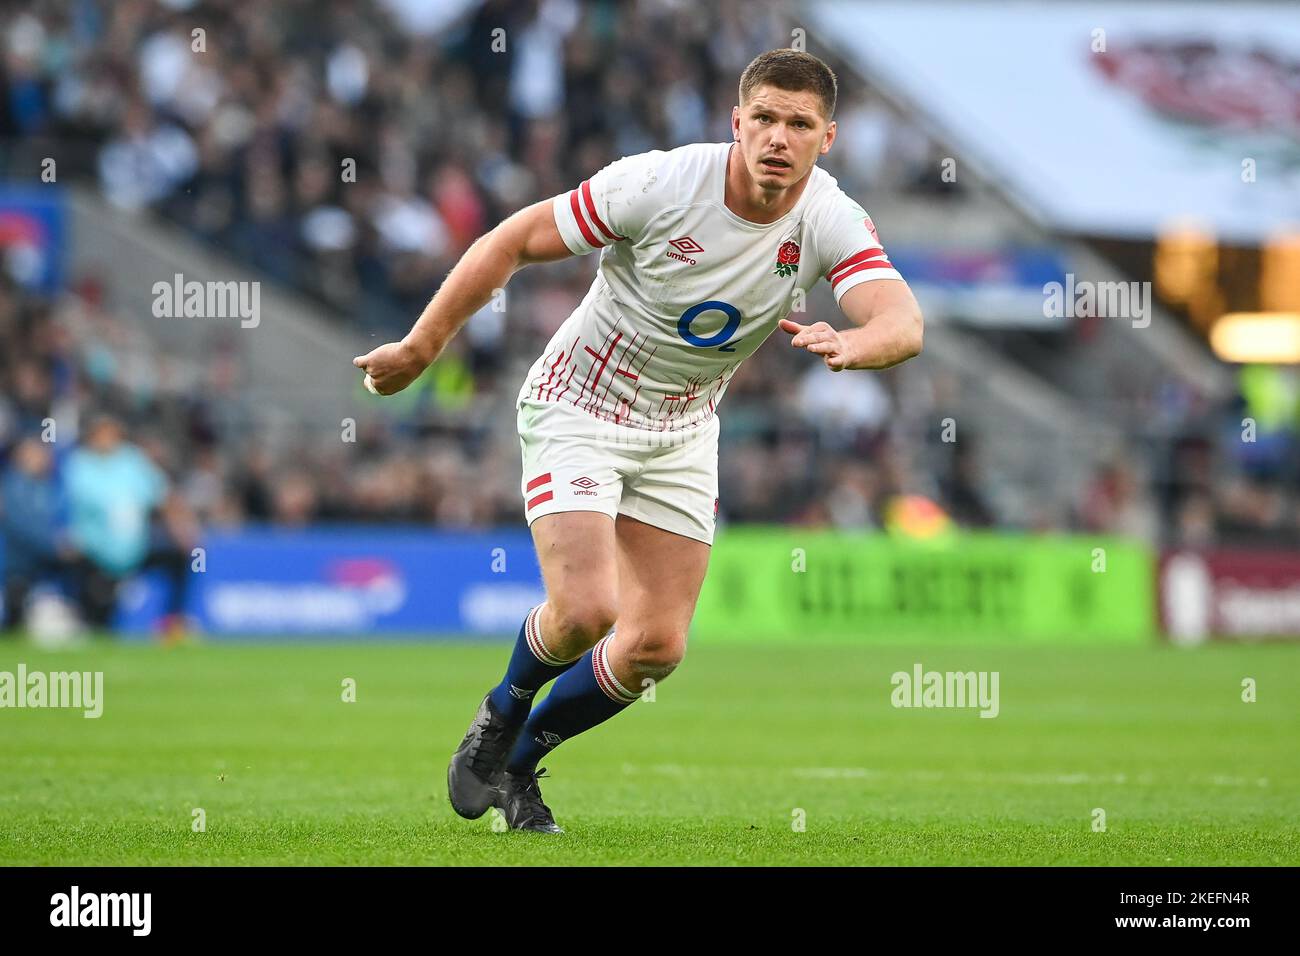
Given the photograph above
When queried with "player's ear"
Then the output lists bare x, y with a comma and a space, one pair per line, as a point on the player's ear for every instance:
830, 138
735, 123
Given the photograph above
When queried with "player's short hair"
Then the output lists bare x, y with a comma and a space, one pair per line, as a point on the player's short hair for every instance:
793, 71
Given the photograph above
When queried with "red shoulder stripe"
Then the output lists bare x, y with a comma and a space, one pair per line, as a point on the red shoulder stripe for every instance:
582, 222
591, 208
874, 264
854, 259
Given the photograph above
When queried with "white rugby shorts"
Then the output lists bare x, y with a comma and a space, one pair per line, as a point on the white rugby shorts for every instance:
574, 461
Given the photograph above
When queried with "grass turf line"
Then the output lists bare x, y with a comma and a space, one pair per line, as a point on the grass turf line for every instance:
711, 772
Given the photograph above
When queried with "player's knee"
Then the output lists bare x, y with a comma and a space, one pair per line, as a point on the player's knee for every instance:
655, 654
585, 623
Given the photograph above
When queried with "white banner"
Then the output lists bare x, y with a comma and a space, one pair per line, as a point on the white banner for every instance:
1105, 119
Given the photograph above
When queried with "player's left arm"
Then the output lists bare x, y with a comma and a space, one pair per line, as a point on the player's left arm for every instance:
889, 328
867, 288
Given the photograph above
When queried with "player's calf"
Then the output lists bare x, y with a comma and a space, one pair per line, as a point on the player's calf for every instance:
604, 682
587, 695
549, 643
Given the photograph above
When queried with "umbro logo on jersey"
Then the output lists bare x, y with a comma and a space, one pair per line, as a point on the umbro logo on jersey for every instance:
683, 249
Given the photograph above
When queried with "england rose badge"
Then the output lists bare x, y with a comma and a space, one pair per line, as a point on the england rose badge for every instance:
787, 259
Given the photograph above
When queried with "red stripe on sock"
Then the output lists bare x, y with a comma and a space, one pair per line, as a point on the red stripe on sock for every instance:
533, 635
605, 676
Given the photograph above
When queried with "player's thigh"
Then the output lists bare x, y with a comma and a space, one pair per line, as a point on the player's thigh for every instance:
576, 551
660, 573
571, 483
665, 530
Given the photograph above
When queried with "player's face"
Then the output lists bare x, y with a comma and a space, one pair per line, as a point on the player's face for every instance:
781, 134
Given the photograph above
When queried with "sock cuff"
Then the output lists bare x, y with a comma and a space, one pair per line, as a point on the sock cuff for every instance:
533, 635
605, 674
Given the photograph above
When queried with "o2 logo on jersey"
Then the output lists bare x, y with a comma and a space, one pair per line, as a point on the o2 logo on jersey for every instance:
718, 338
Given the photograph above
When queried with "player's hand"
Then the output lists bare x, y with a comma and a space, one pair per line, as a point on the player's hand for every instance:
390, 368
820, 339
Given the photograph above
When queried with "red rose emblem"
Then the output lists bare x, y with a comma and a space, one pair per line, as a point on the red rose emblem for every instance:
787, 258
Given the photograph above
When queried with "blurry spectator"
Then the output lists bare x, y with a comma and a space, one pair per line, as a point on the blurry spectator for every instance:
1195, 522
960, 488
113, 490
147, 161
850, 502
537, 74
1252, 513
840, 406
293, 499
35, 546
1116, 502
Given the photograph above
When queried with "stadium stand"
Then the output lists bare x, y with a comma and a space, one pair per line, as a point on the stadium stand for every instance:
345, 160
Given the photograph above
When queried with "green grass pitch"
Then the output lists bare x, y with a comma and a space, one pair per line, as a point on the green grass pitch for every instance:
738, 745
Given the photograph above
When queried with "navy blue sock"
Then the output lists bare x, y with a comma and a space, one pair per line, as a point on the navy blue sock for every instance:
531, 667
587, 695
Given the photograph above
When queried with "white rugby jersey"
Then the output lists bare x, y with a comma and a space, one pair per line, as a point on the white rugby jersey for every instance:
686, 290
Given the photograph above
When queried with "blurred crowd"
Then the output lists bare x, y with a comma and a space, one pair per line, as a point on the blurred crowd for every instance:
826, 450
356, 159
353, 149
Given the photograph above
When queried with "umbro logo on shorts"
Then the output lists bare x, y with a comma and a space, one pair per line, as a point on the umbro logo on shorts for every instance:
586, 484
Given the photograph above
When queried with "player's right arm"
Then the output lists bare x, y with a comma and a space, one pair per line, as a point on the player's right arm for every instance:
610, 207
530, 235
